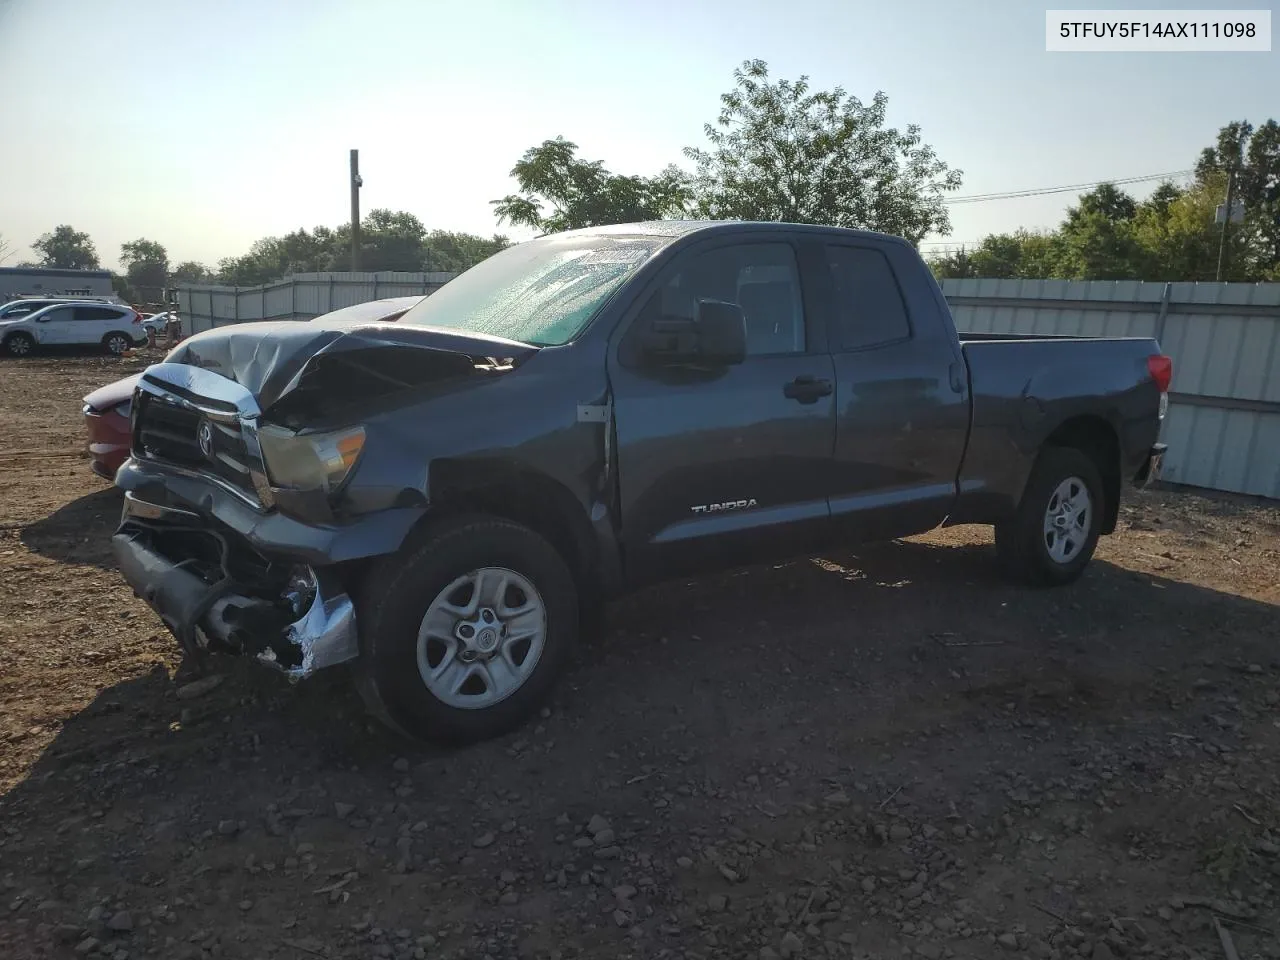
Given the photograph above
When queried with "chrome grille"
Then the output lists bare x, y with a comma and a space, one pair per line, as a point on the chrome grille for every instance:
203, 423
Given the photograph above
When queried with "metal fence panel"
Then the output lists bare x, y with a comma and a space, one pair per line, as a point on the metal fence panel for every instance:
299, 297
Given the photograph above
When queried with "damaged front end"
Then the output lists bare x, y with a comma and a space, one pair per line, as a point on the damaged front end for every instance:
216, 595
263, 464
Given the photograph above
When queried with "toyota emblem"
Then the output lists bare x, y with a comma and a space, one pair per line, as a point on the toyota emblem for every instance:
204, 436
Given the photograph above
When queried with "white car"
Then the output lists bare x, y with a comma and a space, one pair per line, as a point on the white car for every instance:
113, 327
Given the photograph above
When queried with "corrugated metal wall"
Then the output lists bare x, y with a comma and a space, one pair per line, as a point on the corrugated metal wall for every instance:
299, 297
1223, 428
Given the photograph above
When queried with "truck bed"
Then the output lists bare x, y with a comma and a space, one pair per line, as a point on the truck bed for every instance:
1022, 385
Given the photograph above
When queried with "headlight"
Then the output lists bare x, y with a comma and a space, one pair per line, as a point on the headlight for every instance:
310, 461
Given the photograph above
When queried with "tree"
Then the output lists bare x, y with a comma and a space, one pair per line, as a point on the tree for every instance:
1254, 155
5, 249
455, 252
1181, 240
582, 193
389, 240
66, 249
1020, 254
274, 257
779, 151
1097, 240
120, 287
190, 271
146, 265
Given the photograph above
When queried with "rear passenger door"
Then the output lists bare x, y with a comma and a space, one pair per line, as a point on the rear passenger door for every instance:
94, 323
902, 407
719, 467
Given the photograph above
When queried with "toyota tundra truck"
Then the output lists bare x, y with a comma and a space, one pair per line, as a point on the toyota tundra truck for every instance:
445, 501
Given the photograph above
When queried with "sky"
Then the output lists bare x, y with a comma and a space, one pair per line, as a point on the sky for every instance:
207, 124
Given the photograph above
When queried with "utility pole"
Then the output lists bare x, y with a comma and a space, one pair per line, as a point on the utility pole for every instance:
356, 184
1226, 221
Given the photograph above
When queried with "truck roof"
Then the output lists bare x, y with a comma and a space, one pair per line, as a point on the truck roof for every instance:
683, 228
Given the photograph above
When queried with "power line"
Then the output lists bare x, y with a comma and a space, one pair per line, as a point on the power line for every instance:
1043, 191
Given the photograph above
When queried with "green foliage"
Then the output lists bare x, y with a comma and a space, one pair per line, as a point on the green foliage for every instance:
1254, 155
389, 240
779, 151
1171, 235
66, 248
189, 271
1002, 256
146, 265
120, 287
449, 252
582, 193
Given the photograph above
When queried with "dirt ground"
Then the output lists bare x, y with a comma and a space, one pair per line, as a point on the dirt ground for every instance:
881, 753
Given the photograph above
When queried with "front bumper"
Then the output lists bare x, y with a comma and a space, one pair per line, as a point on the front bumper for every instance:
219, 613
1149, 472
269, 532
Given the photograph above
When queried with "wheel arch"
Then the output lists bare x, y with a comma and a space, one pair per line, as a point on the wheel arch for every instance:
1095, 437
520, 495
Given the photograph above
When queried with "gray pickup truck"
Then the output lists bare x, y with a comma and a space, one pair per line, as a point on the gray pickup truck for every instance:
446, 500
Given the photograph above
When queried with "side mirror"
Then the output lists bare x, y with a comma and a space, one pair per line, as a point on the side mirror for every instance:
715, 336
721, 332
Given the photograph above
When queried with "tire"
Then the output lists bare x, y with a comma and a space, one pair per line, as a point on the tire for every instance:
19, 344
116, 342
1029, 550
402, 591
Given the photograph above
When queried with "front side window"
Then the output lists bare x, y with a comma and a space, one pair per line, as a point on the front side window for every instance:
761, 278
543, 292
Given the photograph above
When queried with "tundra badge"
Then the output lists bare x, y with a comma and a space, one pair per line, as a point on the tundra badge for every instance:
727, 505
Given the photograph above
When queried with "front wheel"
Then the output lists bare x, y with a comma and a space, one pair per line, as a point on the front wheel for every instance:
1052, 537
19, 344
465, 636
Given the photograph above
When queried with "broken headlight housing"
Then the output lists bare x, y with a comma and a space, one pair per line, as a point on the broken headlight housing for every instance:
310, 461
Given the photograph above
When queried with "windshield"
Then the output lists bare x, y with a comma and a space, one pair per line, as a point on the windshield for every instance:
542, 292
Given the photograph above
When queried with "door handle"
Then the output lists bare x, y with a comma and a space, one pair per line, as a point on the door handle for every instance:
807, 389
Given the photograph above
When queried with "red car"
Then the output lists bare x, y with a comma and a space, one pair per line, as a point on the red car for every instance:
107, 409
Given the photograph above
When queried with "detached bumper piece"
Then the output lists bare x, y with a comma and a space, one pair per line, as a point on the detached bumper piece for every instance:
1150, 470
298, 621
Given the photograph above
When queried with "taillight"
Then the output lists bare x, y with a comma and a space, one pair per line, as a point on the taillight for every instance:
137, 317
1161, 370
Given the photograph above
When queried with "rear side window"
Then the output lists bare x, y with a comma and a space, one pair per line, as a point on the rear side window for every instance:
868, 302
97, 313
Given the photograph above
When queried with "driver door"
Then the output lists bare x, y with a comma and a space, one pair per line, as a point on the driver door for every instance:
722, 466
54, 326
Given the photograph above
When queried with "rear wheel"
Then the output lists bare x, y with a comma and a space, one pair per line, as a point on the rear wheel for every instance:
117, 342
19, 344
1052, 537
463, 637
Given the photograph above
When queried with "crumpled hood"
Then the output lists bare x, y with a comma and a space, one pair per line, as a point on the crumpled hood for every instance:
272, 359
